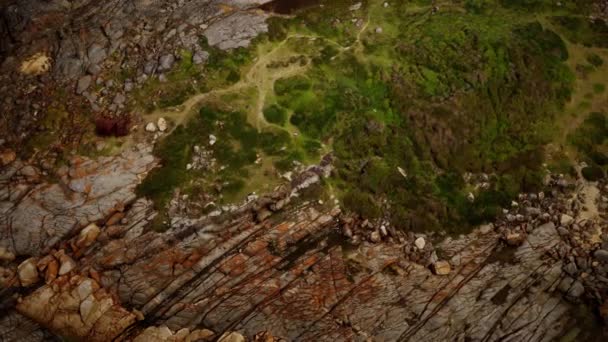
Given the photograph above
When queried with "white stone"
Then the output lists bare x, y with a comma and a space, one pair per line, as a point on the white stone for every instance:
162, 124
151, 127
212, 139
420, 243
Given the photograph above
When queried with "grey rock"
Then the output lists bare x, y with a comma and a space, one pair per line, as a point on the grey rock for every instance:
83, 84
94, 69
96, 53
571, 269
166, 62
200, 57
576, 290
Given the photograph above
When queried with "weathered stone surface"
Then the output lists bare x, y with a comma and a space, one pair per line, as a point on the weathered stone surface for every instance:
289, 274
90, 191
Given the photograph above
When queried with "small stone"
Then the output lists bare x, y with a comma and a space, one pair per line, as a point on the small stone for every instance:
563, 231
420, 243
231, 337
200, 335
514, 238
166, 62
566, 220
6, 255
28, 272
83, 84
67, 264
212, 139
379, 30
7, 156
442, 268
571, 269
151, 127
162, 124
576, 290
375, 237
200, 57
88, 235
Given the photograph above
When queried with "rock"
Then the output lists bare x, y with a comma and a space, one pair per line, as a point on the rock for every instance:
231, 337
571, 269
162, 124
514, 238
166, 62
601, 255
576, 290
83, 84
200, 335
52, 269
486, 228
471, 197
94, 69
96, 53
212, 139
119, 99
7, 156
151, 127
375, 237
563, 231
6, 255
88, 235
379, 30
566, 220
442, 268
420, 243
200, 57
28, 272
67, 264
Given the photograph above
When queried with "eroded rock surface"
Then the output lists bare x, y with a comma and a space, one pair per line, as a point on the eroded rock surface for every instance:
281, 265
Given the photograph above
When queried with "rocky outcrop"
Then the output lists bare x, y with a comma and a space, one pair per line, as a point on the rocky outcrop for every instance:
281, 265
37, 216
